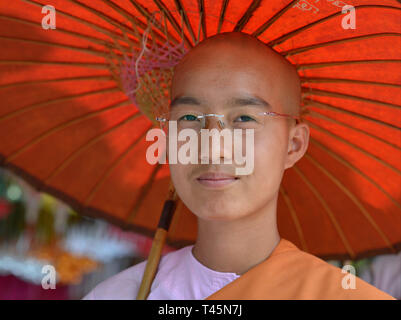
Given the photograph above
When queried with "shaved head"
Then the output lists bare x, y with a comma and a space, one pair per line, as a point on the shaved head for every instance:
236, 51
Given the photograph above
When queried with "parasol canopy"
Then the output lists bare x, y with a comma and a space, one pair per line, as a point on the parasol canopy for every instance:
72, 126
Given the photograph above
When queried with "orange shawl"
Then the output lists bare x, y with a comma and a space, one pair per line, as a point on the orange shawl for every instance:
290, 273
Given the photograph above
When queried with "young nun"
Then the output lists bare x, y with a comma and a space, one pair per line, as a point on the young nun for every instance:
239, 253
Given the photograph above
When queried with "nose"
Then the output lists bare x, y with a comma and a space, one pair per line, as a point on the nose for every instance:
214, 150
210, 121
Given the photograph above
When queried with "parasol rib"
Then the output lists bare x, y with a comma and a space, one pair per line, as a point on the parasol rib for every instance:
106, 173
350, 144
255, 4
321, 116
61, 30
324, 106
64, 125
290, 34
223, 10
144, 12
201, 8
308, 90
273, 19
92, 25
340, 80
173, 22
62, 99
353, 168
94, 52
338, 41
133, 210
304, 66
138, 23
328, 212
115, 23
294, 218
86, 146
24, 83
61, 63
354, 199
182, 11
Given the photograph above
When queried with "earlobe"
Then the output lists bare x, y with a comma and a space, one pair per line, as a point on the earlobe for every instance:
289, 156
292, 148
299, 144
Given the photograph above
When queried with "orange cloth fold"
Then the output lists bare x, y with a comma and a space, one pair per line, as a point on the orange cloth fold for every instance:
290, 273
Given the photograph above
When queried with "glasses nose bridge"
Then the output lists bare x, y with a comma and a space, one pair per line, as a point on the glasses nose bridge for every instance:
219, 118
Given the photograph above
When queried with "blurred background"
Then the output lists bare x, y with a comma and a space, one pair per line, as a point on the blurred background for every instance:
37, 230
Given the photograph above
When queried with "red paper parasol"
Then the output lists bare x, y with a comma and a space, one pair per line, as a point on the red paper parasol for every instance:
68, 126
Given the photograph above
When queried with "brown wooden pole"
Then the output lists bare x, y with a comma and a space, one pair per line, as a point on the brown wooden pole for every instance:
158, 243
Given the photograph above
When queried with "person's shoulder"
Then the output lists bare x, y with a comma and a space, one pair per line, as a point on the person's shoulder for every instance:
331, 282
121, 286
125, 285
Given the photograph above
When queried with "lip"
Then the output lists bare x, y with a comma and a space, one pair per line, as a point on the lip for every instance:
216, 179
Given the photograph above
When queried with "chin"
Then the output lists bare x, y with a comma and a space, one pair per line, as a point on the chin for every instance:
216, 217
217, 212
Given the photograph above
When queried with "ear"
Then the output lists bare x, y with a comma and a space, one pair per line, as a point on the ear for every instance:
298, 142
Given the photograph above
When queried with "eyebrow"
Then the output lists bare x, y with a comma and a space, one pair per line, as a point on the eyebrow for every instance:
250, 101
185, 100
239, 101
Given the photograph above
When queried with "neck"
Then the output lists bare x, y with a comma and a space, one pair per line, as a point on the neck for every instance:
237, 245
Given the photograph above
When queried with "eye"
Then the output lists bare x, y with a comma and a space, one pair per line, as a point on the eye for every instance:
188, 117
244, 118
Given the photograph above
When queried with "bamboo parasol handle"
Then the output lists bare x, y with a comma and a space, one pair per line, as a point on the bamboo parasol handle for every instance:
158, 243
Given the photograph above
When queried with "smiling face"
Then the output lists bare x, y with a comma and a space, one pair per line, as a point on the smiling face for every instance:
220, 74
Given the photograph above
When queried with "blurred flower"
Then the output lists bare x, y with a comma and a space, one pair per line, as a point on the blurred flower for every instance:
70, 268
26, 268
5, 208
14, 192
97, 242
